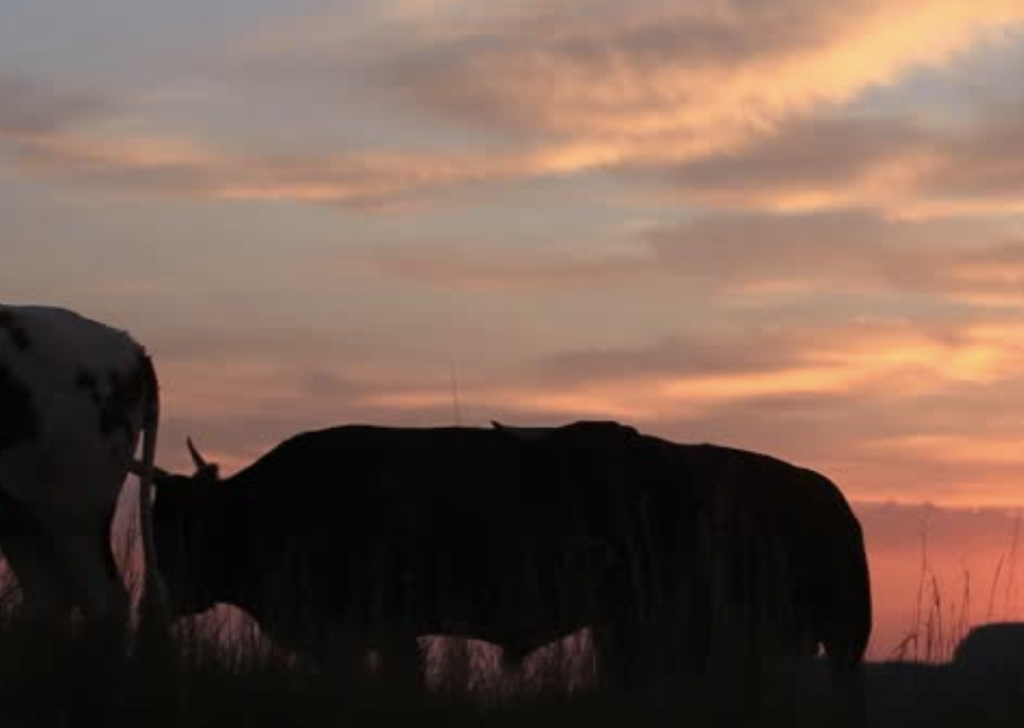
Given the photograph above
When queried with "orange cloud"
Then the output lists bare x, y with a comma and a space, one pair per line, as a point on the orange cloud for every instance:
663, 81
553, 89
959, 448
891, 264
906, 172
182, 166
865, 361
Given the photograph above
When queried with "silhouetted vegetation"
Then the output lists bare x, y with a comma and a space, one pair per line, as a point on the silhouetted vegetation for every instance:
221, 672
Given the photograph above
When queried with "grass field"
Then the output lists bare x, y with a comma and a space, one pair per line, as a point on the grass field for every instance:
206, 682
218, 671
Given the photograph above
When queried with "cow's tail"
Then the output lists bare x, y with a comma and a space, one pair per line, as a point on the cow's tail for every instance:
860, 615
850, 625
849, 667
154, 598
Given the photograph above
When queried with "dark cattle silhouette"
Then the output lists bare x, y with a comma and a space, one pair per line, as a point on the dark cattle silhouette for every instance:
75, 394
375, 535
728, 551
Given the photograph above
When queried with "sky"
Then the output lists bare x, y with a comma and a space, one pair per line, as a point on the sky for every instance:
786, 225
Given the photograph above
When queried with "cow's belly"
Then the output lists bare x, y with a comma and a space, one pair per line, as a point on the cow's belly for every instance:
519, 612
370, 617
518, 595
71, 463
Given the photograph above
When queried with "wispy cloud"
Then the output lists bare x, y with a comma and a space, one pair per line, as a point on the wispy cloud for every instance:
564, 87
756, 255
903, 169
853, 250
888, 408
180, 166
29, 109
720, 71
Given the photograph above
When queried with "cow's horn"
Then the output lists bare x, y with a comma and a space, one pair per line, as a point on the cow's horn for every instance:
197, 459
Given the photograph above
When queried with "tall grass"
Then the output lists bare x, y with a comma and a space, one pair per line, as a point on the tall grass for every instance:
940, 622
223, 672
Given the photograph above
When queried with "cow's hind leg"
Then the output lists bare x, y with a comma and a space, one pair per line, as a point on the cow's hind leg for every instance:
845, 646
29, 550
849, 693
83, 551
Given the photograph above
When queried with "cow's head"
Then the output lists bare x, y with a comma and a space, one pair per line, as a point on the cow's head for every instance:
185, 531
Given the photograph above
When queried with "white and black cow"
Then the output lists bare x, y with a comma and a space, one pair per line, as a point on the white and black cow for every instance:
519, 537
74, 396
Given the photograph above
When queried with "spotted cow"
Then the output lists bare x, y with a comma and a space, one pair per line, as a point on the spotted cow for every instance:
75, 394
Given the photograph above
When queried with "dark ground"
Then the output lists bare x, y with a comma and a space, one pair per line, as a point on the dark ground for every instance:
200, 682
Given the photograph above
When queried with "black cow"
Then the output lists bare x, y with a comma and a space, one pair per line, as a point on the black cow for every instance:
374, 535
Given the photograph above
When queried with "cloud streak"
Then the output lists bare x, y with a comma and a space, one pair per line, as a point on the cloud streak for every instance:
568, 87
28, 109
757, 256
721, 71
887, 409
183, 167
902, 169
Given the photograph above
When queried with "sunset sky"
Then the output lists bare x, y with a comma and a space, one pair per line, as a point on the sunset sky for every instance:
788, 225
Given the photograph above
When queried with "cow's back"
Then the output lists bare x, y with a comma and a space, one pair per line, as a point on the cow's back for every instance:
71, 391
467, 529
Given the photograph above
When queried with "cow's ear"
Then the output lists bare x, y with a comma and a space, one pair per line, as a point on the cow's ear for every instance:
138, 469
209, 473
